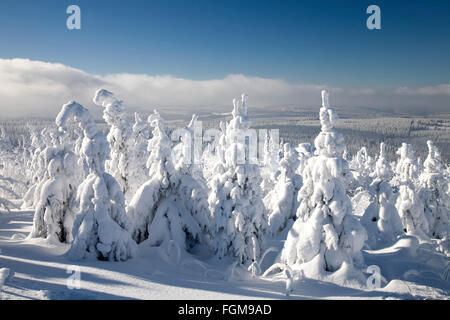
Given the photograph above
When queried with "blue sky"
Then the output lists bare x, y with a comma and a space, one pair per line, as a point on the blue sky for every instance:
183, 55
300, 41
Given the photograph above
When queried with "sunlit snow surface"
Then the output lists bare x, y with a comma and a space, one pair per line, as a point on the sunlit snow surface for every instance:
35, 269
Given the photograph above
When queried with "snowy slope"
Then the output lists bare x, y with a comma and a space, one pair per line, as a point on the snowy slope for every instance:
39, 270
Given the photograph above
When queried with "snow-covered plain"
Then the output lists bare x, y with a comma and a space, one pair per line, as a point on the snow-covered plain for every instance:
39, 270
84, 218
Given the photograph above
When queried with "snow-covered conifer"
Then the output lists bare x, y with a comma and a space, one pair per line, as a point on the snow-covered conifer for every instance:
239, 219
171, 205
281, 201
120, 138
213, 158
54, 215
326, 236
409, 204
434, 195
101, 228
5, 187
141, 135
381, 218
270, 160
305, 151
362, 166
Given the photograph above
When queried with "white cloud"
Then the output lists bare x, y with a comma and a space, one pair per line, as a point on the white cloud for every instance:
365, 91
442, 89
35, 88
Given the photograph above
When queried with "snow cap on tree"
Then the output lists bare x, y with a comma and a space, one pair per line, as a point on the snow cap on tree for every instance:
383, 169
433, 162
122, 163
329, 143
94, 149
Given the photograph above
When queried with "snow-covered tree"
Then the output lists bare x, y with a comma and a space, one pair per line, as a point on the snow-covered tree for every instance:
5, 187
433, 194
281, 201
38, 164
172, 204
141, 135
326, 235
362, 167
239, 219
381, 219
305, 151
101, 228
120, 138
213, 158
406, 167
409, 204
54, 215
187, 153
270, 160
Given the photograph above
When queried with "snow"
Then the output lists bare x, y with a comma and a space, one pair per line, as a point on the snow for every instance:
41, 271
129, 215
4, 274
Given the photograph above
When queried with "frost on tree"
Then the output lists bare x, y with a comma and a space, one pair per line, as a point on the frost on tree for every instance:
270, 160
186, 154
101, 228
121, 165
54, 213
213, 158
409, 205
239, 219
141, 135
281, 201
171, 206
38, 164
381, 219
305, 151
5, 187
362, 167
433, 194
326, 237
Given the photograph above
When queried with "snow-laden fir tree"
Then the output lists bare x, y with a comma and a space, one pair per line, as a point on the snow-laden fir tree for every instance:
121, 164
187, 154
381, 219
171, 205
281, 201
305, 151
362, 166
326, 235
433, 194
213, 158
409, 205
270, 160
239, 219
141, 135
54, 213
38, 164
5, 188
101, 228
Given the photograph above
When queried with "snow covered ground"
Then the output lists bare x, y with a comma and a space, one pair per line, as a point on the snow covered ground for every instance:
36, 269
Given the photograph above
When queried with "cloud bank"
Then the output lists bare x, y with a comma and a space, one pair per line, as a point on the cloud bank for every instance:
36, 88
